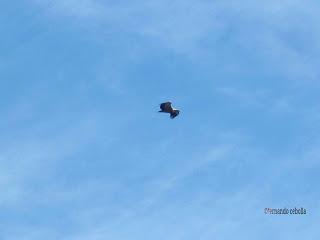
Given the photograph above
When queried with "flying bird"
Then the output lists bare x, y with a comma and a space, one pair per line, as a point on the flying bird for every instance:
167, 108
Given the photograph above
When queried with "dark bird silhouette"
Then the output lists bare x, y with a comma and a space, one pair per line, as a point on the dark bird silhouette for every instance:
167, 108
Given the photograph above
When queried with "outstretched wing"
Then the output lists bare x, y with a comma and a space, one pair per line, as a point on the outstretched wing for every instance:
166, 107
174, 113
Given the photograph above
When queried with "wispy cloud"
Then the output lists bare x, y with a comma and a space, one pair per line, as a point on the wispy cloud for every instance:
266, 32
80, 9
31, 159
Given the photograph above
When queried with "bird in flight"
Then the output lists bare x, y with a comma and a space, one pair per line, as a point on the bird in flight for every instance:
167, 108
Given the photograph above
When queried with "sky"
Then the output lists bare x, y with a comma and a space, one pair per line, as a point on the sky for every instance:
85, 155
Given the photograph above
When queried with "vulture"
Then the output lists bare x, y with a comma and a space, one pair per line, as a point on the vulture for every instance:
167, 108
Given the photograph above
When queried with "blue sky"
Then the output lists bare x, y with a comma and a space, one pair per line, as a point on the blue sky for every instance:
85, 155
